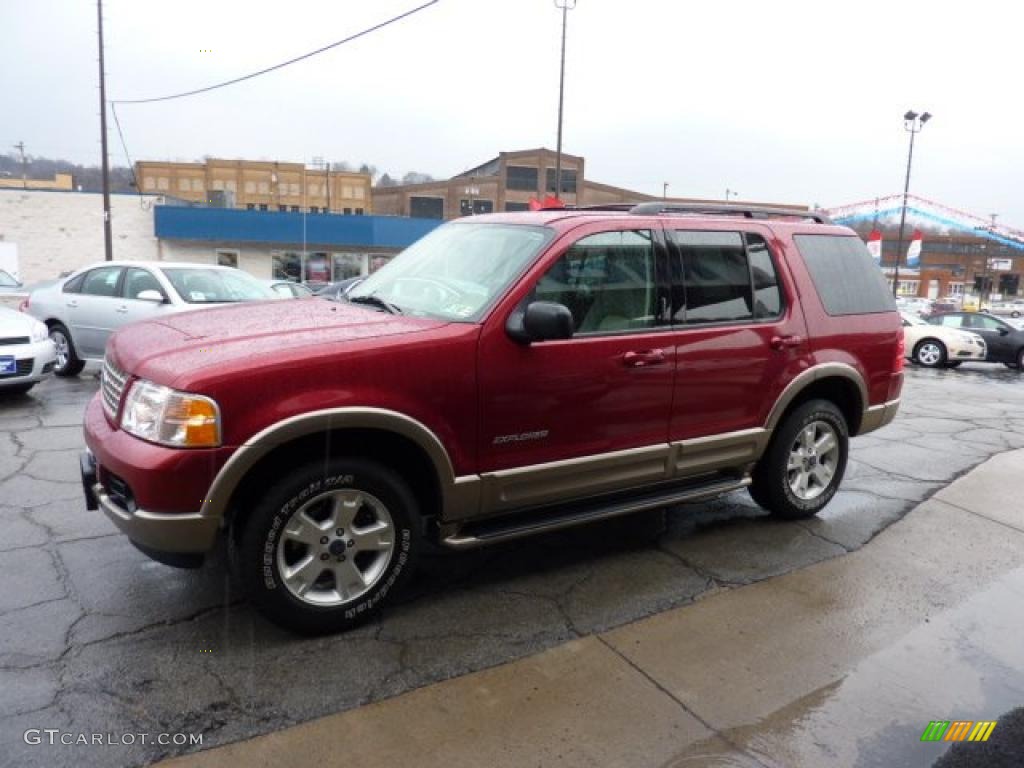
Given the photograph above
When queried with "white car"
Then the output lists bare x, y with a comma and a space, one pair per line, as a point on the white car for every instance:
27, 356
937, 346
1013, 309
83, 309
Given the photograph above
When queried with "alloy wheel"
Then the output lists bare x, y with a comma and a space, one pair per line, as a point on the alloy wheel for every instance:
813, 460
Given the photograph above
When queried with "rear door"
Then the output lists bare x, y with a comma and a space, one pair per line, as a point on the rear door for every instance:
738, 336
94, 314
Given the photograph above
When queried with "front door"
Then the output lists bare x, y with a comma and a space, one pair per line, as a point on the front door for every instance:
131, 308
95, 313
1002, 347
590, 413
738, 336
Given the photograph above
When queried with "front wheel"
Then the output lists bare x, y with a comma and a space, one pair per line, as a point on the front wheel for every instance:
67, 363
930, 353
805, 461
324, 548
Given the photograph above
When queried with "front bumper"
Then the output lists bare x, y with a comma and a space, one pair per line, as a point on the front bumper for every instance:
43, 356
152, 532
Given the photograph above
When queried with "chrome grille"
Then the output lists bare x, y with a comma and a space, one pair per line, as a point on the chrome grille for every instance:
112, 383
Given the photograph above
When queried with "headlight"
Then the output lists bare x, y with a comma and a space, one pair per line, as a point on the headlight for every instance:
163, 415
40, 332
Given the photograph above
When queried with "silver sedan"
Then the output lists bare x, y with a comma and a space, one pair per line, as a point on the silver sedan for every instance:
82, 310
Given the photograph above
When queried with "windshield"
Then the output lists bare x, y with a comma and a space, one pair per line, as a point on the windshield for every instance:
912, 320
215, 286
456, 271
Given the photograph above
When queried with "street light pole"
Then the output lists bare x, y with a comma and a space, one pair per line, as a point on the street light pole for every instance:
913, 123
565, 6
731, 192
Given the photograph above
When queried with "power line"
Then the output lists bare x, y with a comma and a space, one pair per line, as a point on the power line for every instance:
283, 64
124, 146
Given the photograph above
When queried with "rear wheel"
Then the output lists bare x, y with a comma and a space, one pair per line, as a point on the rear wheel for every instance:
805, 461
930, 353
67, 363
323, 549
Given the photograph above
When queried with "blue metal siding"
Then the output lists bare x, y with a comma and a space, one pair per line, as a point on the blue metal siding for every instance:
286, 228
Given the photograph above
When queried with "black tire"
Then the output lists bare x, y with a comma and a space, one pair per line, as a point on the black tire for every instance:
261, 549
72, 365
953, 364
1015, 313
771, 480
931, 353
1020, 359
17, 389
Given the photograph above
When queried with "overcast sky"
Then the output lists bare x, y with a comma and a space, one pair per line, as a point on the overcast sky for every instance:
782, 101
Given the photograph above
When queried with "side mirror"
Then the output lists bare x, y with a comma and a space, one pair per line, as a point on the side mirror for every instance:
150, 295
1003, 330
541, 321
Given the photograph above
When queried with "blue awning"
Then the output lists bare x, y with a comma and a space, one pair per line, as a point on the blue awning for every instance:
288, 228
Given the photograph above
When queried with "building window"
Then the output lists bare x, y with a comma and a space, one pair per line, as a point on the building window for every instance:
230, 185
347, 211
521, 178
568, 181
295, 209
163, 183
360, 193
264, 188
346, 191
183, 185
218, 185
250, 187
956, 289
286, 265
282, 207
517, 206
348, 265
313, 209
426, 207
197, 185
359, 211
294, 190
227, 259
908, 287
250, 206
312, 190
478, 207
378, 260
149, 182
263, 206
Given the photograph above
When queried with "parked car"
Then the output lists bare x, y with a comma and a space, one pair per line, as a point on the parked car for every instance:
1004, 341
507, 374
914, 305
27, 355
1012, 309
339, 289
936, 346
82, 310
286, 289
941, 306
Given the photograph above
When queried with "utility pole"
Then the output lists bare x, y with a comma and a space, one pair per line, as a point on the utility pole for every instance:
108, 239
664, 190
20, 146
565, 6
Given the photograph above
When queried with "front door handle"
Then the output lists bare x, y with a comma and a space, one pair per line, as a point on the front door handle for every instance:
643, 358
72, 304
781, 342
122, 309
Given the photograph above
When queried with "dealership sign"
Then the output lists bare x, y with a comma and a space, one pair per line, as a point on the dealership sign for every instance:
1000, 265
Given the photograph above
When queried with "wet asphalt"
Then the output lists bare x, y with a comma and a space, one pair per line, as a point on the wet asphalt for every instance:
96, 638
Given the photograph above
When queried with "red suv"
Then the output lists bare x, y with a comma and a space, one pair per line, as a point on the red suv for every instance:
506, 375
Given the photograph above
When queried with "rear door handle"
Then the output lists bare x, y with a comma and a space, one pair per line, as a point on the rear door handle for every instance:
781, 342
122, 309
644, 357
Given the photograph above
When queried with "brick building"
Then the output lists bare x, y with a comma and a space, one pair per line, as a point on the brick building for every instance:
259, 185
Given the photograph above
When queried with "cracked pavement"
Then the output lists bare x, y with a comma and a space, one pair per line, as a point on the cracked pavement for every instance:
95, 637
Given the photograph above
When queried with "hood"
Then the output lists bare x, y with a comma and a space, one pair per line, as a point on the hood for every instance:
177, 347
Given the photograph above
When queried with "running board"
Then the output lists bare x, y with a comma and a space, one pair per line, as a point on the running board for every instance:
508, 527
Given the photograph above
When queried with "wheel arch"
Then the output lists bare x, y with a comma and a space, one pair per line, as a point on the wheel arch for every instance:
837, 382
389, 437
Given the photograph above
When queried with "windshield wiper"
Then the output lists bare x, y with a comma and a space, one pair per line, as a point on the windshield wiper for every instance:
376, 301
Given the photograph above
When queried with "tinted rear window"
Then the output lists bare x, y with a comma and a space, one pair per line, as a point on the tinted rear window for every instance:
847, 279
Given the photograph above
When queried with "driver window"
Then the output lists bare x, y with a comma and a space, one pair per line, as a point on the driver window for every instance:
607, 281
138, 280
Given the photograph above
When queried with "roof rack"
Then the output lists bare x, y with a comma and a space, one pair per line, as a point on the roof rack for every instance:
749, 212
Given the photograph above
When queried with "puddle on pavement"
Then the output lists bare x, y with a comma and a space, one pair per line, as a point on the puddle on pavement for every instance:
965, 664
